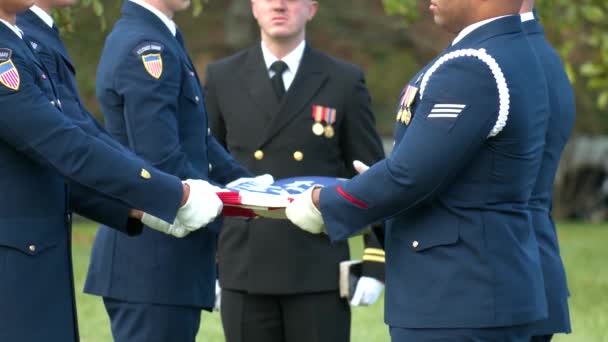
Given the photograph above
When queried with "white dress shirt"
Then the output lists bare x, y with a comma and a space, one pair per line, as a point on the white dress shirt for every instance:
43, 15
292, 60
528, 16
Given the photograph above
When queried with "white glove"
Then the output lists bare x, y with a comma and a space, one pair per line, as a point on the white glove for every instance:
259, 181
360, 167
202, 207
218, 296
175, 229
303, 213
367, 292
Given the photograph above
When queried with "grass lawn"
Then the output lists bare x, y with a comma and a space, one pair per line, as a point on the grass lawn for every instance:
584, 249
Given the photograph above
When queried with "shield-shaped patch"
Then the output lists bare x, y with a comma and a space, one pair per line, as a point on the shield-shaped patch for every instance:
154, 64
9, 76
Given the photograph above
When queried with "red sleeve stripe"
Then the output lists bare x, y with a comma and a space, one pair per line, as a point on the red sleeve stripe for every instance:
351, 198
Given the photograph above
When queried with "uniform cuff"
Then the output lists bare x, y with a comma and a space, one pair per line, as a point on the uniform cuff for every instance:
373, 263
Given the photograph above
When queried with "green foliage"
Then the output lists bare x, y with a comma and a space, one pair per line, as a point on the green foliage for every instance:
580, 33
405, 8
64, 17
197, 7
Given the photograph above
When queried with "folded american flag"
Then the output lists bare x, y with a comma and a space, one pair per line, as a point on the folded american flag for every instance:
251, 199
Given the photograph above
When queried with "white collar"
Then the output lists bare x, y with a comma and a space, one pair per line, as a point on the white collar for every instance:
14, 28
528, 16
473, 27
292, 59
170, 23
43, 15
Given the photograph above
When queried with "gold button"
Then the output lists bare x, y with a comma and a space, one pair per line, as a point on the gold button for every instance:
145, 174
259, 155
297, 155
32, 248
415, 244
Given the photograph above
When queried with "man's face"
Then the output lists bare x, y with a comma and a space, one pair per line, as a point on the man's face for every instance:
452, 15
283, 19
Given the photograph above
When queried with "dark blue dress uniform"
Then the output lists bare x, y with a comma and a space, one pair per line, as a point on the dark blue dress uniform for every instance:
561, 121
51, 52
39, 146
462, 257
153, 103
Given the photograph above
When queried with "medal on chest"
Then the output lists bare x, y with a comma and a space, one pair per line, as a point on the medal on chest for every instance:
404, 114
324, 118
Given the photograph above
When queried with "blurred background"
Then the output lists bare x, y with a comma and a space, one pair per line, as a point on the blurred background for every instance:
391, 40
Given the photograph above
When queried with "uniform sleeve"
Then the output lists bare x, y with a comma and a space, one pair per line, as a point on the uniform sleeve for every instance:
438, 145
96, 206
359, 139
373, 253
103, 209
32, 126
87, 202
103, 135
150, 111
224, 168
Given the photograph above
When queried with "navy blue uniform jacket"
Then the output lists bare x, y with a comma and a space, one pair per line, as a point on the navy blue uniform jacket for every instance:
460, 247
39, 148
561, 121
152, 102
51, 52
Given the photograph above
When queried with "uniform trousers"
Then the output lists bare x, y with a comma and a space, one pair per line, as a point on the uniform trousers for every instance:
309, 317
141, 322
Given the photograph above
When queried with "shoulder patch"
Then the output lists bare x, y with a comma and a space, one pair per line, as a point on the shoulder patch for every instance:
150, 54
153, 62
148, 47
5, 54
9, 76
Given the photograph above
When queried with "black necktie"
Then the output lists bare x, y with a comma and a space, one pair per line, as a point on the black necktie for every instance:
279, 68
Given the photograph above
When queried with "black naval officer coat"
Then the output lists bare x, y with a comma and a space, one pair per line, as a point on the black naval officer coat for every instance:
265, 256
